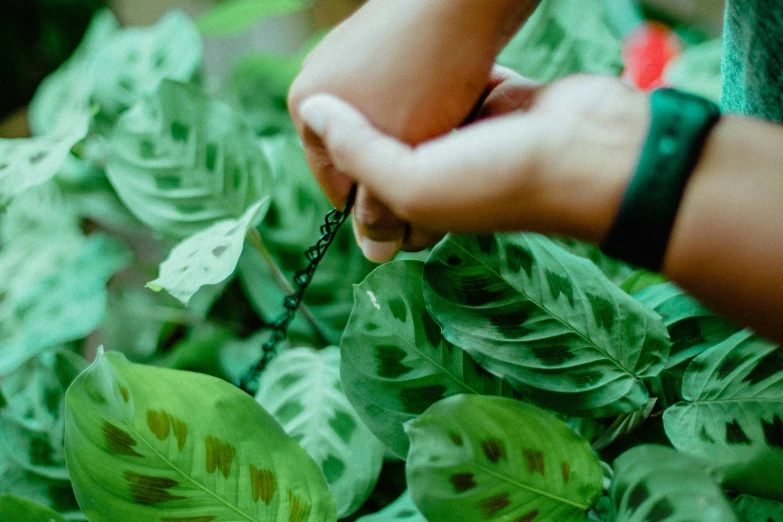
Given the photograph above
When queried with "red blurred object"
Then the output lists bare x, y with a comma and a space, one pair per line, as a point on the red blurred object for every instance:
646, 52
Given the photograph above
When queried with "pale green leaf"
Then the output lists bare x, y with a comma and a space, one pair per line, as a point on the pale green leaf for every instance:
698, 70
395, 362
301, 389
615, 270
401, 510
548, 320
233, 17
28, 162
181, 161
134, 61
43, 211
564, 37
14, 509
755, 509
732, 414
64, 303
208, 257
146, 443
476, 457
657, 483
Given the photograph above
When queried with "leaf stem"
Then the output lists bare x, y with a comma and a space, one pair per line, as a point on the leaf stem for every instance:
283, 282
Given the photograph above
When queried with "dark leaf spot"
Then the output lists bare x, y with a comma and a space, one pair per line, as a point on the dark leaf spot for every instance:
333, 468
146, 149
158, 423
180, 431
638, 494
299, 508
535, 461
462, 482
528, 517
118, 441
519, 258
288, 411
398, 309
38, 157
148, 490
603, 311
124, 393
494, 449
179, 131
560, 285
768, 366
735, 435
3, 166
552, 355
389, 360
705, 436
773, 431
127, 83
220, 455
454, 260
565, 470
661, 510
211, 153
289, 379
456, 438
493, 505
263, 484
485, 242
218, 251
41, 450
731, 363
509, 323
432, 330
343, 424
416, 400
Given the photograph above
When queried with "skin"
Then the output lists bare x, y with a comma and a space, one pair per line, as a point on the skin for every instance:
552, 158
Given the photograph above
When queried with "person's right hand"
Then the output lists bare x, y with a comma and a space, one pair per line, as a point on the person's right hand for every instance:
416, 69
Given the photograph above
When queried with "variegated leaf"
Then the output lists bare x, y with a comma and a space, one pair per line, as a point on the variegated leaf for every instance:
755, 509
401, 510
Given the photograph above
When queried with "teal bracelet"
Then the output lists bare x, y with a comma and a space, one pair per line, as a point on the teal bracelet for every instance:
679, 128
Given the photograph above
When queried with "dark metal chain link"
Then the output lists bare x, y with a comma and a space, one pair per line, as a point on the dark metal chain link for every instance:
334, 220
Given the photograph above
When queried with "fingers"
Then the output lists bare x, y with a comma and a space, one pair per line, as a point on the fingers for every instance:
507, 92
378, 231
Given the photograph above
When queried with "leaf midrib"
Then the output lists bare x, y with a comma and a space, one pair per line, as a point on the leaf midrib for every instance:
546, 310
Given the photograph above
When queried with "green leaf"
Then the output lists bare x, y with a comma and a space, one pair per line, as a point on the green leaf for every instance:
698, 70
16, 508
61, 304
731, 415
28, 162
401, 510
233, 17
301, 389
181, 161
32, 420
549, 321
206, 258
564, 37
754, 509
692, 328
623, 425
395, 362
64, 96
475, 457
145, 443
641, 279
657, 483
135, 60
615, 270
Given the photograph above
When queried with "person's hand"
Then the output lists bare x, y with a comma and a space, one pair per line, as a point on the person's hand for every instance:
550, 158
416, 69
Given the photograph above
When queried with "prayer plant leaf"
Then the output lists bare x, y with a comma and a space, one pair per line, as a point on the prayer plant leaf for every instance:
732, 413
147, 443
692, 328
657, 483
476, 457
32, 419
182, 161
623, 425
29, 162
753, 509
59, 305
237, 16
20, 509
401, 510
564, 37
301, 389
395, 362
208, 257
135, 60
548, 320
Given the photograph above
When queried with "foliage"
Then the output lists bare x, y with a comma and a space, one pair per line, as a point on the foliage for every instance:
521, 378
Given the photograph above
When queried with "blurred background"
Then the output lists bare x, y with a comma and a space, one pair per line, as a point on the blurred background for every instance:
36, 36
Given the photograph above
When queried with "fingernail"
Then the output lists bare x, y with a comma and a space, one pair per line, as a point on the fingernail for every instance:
379, 251
313, 116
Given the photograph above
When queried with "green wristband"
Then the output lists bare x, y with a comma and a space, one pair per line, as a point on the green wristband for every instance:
680, 125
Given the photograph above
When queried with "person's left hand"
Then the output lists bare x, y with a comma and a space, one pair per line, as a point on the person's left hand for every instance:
551, 158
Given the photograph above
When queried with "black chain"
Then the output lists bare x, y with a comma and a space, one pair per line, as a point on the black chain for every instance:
334, 220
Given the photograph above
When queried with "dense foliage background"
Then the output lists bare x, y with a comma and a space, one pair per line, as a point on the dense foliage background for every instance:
150, 226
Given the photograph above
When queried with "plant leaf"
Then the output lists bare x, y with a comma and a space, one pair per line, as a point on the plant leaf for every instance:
657, 483
623, 425
564, 37
145, 443
549, 321
395, 362
476, 457
401, 510
237, 16
206, 258
692, 328
639, 280
615, 270
181, 161
132, 63
732, 415
301, 389
17, 508
752, 509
